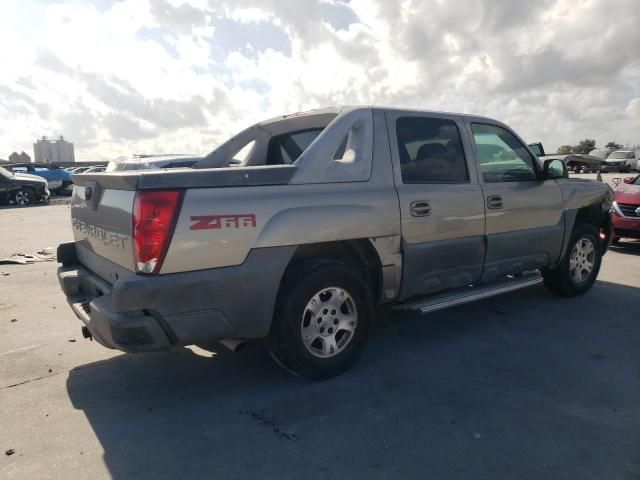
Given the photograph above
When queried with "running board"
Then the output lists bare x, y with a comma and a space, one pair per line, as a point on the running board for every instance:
471, 293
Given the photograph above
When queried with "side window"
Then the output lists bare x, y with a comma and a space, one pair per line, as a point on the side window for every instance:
502, 157
430, 151
286, 148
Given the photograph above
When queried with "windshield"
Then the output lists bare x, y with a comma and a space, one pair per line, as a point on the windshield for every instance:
620, 155
6, 173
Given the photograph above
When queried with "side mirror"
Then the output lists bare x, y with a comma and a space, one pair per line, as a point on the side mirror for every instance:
554, 168
629, 180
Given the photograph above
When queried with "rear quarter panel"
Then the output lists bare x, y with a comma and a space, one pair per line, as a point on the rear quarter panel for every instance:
218, 227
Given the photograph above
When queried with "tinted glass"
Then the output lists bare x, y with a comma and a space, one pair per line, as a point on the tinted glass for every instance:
430, 151
502, 157
286, 148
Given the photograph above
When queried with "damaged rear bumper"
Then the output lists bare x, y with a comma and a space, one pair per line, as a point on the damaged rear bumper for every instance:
141, 313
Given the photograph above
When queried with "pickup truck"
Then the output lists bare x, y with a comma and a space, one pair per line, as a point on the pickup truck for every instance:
329, 214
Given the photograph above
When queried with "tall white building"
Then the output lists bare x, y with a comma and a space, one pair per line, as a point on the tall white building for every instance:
49, 150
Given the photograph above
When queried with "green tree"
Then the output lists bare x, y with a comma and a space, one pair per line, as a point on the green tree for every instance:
615, 145
584, 146
564, 150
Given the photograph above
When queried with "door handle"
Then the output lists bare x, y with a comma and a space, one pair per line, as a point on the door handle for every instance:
420, 208
494, 202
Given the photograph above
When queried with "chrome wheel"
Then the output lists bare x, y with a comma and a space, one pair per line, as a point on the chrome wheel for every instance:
22, 198
328, 322
582, 260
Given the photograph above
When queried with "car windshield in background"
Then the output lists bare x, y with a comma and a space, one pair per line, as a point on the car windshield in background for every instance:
6, 173
599, 153
620, 155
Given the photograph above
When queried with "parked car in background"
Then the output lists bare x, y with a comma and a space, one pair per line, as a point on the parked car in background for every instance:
22, 189
58, 179
626, 208
620, 161
153, 162
575, 162
602, 152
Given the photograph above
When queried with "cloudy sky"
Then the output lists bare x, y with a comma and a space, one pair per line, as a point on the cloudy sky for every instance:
118, 77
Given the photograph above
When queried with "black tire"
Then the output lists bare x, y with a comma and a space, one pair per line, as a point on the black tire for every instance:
23, 197
301, 283
64, 190
559, 280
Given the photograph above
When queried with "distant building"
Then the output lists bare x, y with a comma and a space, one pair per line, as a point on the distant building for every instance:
16, 157
47, 150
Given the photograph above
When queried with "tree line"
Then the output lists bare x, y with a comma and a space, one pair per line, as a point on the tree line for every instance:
585, 146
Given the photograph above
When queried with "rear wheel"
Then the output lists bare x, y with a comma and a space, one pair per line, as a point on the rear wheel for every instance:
579, 268
322, 319
23, 197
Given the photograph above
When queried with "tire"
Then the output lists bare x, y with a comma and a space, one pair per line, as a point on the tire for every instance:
64, 190
23, 197
580, 265
315, 340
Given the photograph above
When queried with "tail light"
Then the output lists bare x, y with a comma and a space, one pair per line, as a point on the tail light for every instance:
154, 219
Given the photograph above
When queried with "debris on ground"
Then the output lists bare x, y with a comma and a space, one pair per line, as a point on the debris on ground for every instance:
44, 255
5, 274
72, 340
14, 320
11, 451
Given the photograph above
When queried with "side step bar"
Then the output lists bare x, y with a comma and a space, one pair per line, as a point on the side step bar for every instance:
471, 293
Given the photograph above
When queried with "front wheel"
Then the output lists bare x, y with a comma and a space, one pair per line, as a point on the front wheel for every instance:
579, 268
23, 197
322, 319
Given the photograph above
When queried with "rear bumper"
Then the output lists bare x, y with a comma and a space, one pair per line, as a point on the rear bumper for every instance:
157, 312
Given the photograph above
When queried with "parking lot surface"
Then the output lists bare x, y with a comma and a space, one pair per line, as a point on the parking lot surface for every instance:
522, 386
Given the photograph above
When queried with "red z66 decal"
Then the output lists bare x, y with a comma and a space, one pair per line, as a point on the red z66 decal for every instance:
216, 222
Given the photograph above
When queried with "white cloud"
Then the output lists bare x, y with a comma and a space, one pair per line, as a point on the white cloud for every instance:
171, 75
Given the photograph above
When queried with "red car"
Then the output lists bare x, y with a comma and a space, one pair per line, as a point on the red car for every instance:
626, 209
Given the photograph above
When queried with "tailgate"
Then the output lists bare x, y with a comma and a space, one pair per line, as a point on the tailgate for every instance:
101, 218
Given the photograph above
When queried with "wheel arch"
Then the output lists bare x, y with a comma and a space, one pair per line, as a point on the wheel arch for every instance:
359, 253
590, 214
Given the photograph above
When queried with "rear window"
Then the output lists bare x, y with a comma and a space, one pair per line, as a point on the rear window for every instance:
286, 148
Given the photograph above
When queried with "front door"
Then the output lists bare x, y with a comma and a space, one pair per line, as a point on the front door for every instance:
441, 202
525, 224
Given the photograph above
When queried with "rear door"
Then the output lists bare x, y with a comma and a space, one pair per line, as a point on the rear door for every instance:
525, 224
441, 202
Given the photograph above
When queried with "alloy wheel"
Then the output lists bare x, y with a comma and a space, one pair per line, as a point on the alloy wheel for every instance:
328, 322
582, 260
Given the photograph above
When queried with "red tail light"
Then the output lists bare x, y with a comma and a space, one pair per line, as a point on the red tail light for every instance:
154, 218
